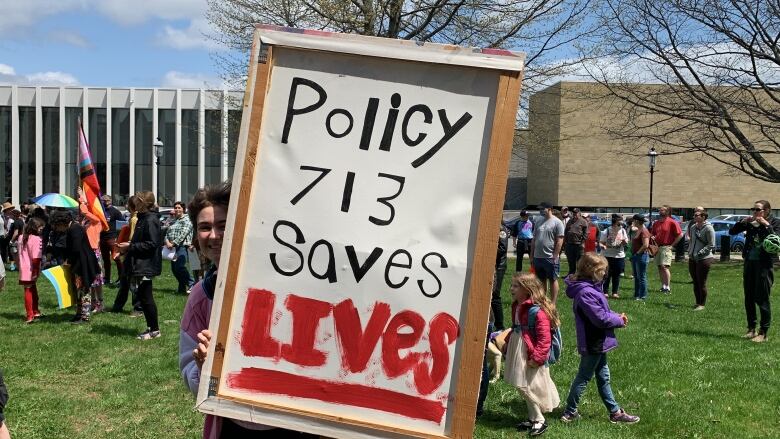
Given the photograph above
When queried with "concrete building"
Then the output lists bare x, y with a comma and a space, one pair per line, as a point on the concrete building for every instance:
572, 160
39, 144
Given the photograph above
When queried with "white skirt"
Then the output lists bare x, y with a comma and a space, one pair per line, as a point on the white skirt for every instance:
533, 382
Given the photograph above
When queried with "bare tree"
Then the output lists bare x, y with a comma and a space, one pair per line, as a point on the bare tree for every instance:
714, 66
544, 29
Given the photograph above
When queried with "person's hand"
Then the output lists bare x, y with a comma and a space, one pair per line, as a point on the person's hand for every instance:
200, 353
533, 364
625, 319
123, 247
168, 244
761, 220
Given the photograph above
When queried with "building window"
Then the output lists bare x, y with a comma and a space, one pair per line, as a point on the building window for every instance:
26, 153
51, 149
72, 116
144, 145
234, 127
189, 154
120, 155
213, 146
97, 144
166, 184
5, 153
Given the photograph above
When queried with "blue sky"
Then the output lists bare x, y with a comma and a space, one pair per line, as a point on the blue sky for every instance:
140, 43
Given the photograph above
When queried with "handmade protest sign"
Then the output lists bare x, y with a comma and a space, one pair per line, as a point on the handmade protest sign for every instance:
353, 293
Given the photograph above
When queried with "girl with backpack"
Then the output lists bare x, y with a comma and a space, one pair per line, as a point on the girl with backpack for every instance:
30, 247
595, 324
528, 350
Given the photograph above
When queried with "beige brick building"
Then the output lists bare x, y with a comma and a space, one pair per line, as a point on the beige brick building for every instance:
574, 161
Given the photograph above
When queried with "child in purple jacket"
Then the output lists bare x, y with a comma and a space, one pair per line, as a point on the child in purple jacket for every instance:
595, 324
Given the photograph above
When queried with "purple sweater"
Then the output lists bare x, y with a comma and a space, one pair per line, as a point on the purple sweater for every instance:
595, 322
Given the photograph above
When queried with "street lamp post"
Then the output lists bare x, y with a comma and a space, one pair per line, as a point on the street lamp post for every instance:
158, 153
652, 157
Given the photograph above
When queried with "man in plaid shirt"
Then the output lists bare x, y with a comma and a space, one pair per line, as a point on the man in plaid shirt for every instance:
179, 237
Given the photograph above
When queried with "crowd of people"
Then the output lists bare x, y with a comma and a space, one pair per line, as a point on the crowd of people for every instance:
526, 346
35, 238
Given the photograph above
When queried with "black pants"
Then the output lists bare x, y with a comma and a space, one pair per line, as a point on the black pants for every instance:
614, 270
4, 248
757, 281
147, 304
573, 253
699, 270
495, 300
522, 250
122, 292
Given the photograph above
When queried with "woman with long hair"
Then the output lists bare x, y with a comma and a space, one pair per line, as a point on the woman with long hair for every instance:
144, 259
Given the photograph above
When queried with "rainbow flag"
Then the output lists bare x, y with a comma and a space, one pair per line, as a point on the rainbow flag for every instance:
89, 181
60, 278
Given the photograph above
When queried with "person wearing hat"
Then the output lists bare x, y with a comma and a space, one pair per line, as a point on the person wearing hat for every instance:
546, 249
522, 234
575, 233
640, 257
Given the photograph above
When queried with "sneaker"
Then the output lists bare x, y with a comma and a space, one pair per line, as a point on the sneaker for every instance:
29, 321
760, 338
136, 314
750, 334
524, 425
148, 335
570, 416
698, 308
97, 308
538, 429
621, 417
666, 290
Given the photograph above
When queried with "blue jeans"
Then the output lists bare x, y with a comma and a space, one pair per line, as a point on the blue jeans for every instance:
590, 364
181, 271
639, 265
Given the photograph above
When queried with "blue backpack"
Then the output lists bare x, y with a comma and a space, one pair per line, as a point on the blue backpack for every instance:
556, 346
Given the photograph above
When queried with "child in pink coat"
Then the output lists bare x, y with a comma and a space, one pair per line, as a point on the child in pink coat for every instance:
30, 251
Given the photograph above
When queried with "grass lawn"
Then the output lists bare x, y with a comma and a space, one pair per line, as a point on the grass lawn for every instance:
686, 374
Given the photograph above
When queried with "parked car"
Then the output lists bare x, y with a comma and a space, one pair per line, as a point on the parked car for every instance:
730, 217
684, 226
722, 228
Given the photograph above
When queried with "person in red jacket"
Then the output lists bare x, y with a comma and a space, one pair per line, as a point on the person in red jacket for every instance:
528, 349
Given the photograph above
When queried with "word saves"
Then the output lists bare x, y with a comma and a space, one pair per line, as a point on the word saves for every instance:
400, 336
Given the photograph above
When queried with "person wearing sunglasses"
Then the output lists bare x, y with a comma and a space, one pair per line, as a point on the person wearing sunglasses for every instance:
757, 273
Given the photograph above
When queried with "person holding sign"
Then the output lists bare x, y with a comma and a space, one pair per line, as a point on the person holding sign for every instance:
208, 213
528, 349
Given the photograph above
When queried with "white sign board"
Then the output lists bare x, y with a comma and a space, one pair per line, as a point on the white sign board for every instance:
349, 295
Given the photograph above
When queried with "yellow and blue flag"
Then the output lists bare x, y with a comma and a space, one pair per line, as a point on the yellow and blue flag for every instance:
60, 278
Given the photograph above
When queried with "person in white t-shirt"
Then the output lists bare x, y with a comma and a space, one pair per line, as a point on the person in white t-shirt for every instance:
613, 240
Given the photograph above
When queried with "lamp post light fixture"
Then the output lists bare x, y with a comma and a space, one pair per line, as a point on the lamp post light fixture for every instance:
652, 157
158, 153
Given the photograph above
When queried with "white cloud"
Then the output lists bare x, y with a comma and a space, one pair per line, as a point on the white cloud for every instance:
8, 76
138, 11
192, 37
69, 37
19, 16
174, 79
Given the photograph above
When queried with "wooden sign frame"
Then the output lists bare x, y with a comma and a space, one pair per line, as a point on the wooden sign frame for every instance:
473, 330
